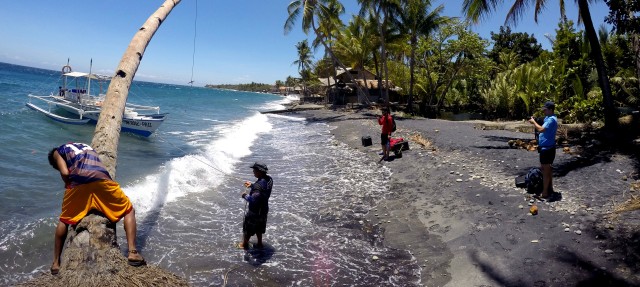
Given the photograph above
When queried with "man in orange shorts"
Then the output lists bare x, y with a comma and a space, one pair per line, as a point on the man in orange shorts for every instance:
89, 187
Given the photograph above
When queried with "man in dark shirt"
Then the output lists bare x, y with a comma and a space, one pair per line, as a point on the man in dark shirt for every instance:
255, 220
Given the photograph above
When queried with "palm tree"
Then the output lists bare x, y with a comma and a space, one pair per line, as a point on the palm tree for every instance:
310, 9
107, 133
355, 45
416, 21
304, 63
476, 9
329, 24
389, 9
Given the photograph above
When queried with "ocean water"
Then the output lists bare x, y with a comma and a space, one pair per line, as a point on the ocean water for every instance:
185, 183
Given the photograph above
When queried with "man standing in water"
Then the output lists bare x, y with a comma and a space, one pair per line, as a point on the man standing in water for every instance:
89, 187
255, 220
547, 146
386, 122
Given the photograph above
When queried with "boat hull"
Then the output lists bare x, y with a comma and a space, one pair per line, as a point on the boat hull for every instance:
143, 125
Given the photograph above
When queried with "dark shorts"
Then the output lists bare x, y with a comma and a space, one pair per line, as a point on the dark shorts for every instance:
384, 139
547, 156
254, 224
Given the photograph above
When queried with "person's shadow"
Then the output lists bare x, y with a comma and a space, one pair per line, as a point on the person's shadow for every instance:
258, 256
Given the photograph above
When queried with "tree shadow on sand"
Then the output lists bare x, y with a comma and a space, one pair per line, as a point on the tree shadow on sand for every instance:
587, 153
569, 269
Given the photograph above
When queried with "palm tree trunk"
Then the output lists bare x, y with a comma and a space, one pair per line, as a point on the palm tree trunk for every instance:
384, 56
610, 114
107, 133
636, 52
412, 64
456, 66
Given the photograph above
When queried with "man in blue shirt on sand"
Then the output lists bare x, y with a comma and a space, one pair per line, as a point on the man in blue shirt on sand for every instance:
547, 146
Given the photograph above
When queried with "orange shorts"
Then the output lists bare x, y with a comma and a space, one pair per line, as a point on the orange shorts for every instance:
103, 195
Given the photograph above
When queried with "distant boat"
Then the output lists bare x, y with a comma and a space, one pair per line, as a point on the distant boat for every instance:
137, 119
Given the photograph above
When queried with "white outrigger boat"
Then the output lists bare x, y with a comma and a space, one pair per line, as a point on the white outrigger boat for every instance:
78, 101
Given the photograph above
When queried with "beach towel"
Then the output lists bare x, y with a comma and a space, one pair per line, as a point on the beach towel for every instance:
104, 196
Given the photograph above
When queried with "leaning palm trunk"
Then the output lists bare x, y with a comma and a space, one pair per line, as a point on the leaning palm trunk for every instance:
610, 114
107, 133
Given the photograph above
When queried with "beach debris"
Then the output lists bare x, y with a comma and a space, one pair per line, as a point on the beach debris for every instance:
459, 180
535, 241
424, 142
520, 206
531, 145
630, 205
374, 257
533, 210
578, 232
567, 229
608, 251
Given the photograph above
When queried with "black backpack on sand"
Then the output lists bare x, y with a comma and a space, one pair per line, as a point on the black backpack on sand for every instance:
533, 181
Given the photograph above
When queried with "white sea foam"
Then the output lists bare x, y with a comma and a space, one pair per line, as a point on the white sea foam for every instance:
279, 104
289, 118
199, 172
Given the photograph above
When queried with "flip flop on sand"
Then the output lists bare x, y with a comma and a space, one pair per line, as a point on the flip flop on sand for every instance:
136, 262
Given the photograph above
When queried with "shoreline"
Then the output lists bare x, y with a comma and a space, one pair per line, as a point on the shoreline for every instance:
456, 209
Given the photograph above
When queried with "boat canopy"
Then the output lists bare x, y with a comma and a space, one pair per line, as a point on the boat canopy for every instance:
87, 75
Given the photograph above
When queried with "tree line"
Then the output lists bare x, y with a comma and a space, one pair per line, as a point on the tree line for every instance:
440, 64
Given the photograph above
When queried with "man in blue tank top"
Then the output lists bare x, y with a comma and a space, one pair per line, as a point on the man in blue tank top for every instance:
547, 146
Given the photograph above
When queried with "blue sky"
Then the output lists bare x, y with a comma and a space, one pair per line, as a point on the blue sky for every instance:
236, 42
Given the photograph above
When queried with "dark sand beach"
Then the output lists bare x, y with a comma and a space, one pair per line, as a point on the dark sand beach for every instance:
454, 206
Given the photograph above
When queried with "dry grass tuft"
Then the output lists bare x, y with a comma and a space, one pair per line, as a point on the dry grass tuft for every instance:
630, 205
424, 142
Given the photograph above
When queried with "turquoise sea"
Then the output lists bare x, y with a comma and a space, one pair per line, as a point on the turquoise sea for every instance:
185, 183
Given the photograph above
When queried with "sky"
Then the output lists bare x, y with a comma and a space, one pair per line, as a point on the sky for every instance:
239, 41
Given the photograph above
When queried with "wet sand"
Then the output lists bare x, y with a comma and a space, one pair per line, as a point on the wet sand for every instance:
455, 206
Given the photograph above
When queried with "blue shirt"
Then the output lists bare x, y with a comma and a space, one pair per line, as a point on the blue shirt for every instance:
258, 197
547, 138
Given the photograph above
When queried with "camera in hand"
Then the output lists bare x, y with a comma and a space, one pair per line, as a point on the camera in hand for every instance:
539, 120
